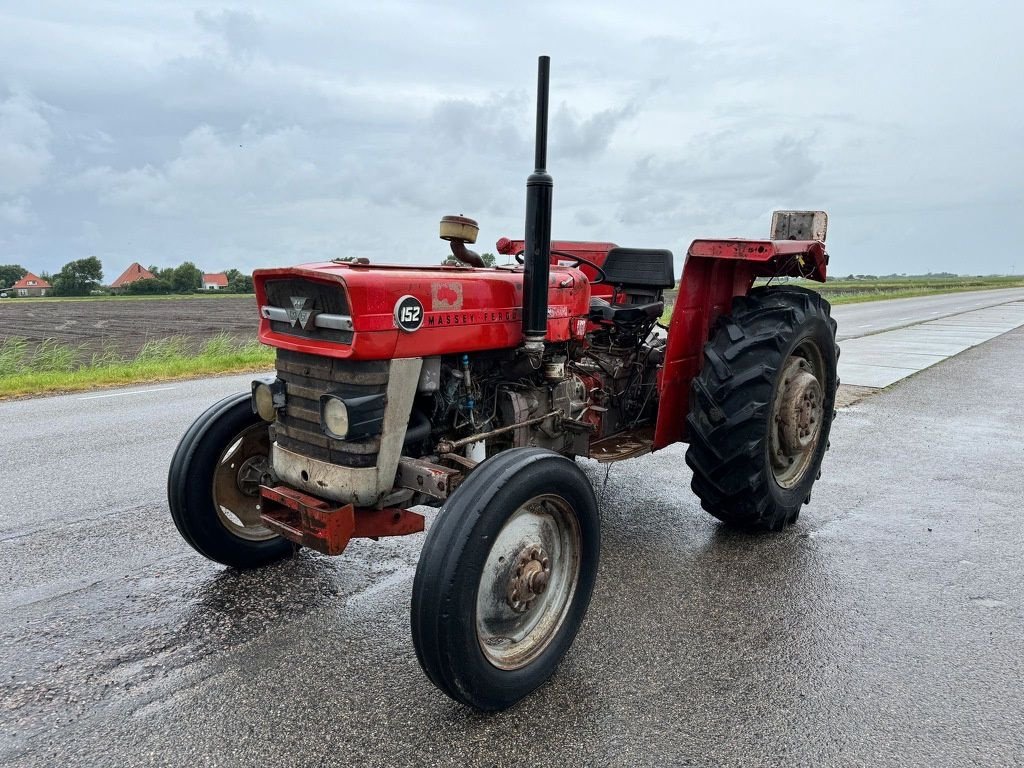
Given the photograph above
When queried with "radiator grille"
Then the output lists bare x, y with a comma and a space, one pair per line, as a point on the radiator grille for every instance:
322, 297
306, 377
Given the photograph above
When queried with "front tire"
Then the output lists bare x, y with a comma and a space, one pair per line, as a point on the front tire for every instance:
505, 577
762, 408
213, 486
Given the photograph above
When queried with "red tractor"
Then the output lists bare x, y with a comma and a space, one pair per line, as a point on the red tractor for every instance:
474, 389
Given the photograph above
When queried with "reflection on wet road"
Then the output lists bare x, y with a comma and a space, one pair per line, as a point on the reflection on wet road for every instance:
884, 628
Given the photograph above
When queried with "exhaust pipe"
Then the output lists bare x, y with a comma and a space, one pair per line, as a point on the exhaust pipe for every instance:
537, 257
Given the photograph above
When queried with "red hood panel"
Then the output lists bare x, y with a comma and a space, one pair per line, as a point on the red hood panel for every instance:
463, 310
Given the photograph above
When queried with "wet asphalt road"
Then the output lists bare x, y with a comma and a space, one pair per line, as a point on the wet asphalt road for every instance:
885, 628
875, 316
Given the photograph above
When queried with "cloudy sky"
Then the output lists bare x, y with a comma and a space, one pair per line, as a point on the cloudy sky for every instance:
272, 133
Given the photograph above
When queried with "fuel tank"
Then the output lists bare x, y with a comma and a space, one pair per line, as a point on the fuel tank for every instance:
380, 312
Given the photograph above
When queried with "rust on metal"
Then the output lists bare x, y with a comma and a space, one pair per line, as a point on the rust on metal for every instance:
374, 523
450, 446
798, 412
625, 445
319, 525
426, 477
529, 579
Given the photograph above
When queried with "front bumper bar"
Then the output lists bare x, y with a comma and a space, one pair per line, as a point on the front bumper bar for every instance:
317, 524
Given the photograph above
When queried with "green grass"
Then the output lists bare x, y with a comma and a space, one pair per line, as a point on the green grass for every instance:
882, 288
53, 367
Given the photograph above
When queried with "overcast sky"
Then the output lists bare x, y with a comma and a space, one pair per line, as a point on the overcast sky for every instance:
274, 133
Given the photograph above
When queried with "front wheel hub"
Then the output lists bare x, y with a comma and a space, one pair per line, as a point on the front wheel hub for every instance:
254, 472
529, 579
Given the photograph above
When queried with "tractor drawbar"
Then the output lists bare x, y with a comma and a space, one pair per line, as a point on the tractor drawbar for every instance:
539, 189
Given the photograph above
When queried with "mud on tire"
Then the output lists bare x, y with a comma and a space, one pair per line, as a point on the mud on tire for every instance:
749, 468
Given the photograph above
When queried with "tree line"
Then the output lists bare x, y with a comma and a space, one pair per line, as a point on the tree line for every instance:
186, 278
84, 277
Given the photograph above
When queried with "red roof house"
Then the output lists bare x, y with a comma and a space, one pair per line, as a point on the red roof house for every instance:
133, 274
215, 281
31, 285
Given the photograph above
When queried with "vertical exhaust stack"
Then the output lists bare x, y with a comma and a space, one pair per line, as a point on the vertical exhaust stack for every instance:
537, 259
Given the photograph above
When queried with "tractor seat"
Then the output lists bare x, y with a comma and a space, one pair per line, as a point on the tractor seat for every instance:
640, 268
602, 311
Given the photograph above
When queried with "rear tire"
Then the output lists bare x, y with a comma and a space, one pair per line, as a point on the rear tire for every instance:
762, 408
213, 486
505, 577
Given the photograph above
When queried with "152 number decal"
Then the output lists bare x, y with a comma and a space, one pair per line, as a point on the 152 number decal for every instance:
408, 313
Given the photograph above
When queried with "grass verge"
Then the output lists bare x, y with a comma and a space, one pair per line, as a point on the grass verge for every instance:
882, 289
53, 367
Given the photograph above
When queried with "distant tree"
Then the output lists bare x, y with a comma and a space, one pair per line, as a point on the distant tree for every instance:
186, 278
10, 274
78, 278
488, 259
149, 286
238, 282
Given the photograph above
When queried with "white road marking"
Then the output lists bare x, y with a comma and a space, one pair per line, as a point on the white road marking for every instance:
865, 326
133, 392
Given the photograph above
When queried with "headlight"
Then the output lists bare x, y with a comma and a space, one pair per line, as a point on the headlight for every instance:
267, 398
351, 418
334, 417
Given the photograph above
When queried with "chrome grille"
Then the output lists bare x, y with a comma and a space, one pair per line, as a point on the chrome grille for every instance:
306, 377
327, 298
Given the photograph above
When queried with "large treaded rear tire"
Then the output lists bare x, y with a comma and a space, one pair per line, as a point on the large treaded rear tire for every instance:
731, 406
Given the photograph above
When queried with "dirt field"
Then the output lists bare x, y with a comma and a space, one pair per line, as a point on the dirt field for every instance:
126, 325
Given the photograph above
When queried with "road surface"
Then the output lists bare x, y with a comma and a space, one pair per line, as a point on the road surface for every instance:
884, 628
874, 316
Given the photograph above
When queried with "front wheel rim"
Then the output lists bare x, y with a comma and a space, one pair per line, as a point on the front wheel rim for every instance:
242, 467
528, 582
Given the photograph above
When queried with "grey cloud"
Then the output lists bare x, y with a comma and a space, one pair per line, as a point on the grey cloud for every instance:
242, 31
584, 138
727, 175
359, 125
25, 136
16, 211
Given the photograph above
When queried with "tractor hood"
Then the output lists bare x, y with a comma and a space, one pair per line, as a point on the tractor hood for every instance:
380, 312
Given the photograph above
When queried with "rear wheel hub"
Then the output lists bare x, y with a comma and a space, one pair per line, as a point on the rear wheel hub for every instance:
797, 417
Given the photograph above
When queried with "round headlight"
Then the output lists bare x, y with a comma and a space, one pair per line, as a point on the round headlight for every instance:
263, 397
335, 417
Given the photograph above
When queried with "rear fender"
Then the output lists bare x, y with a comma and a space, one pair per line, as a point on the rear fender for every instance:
714, 273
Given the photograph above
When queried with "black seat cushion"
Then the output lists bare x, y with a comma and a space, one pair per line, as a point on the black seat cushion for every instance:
640, 267
602, 311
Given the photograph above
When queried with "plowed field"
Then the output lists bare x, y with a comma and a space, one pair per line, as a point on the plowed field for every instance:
125, 326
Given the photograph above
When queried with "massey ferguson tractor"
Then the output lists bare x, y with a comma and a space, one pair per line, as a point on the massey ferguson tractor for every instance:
475, 390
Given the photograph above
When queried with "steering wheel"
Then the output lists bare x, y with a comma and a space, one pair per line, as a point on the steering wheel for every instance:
577, 260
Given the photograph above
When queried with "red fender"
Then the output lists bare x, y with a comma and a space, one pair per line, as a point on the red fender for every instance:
715, 271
